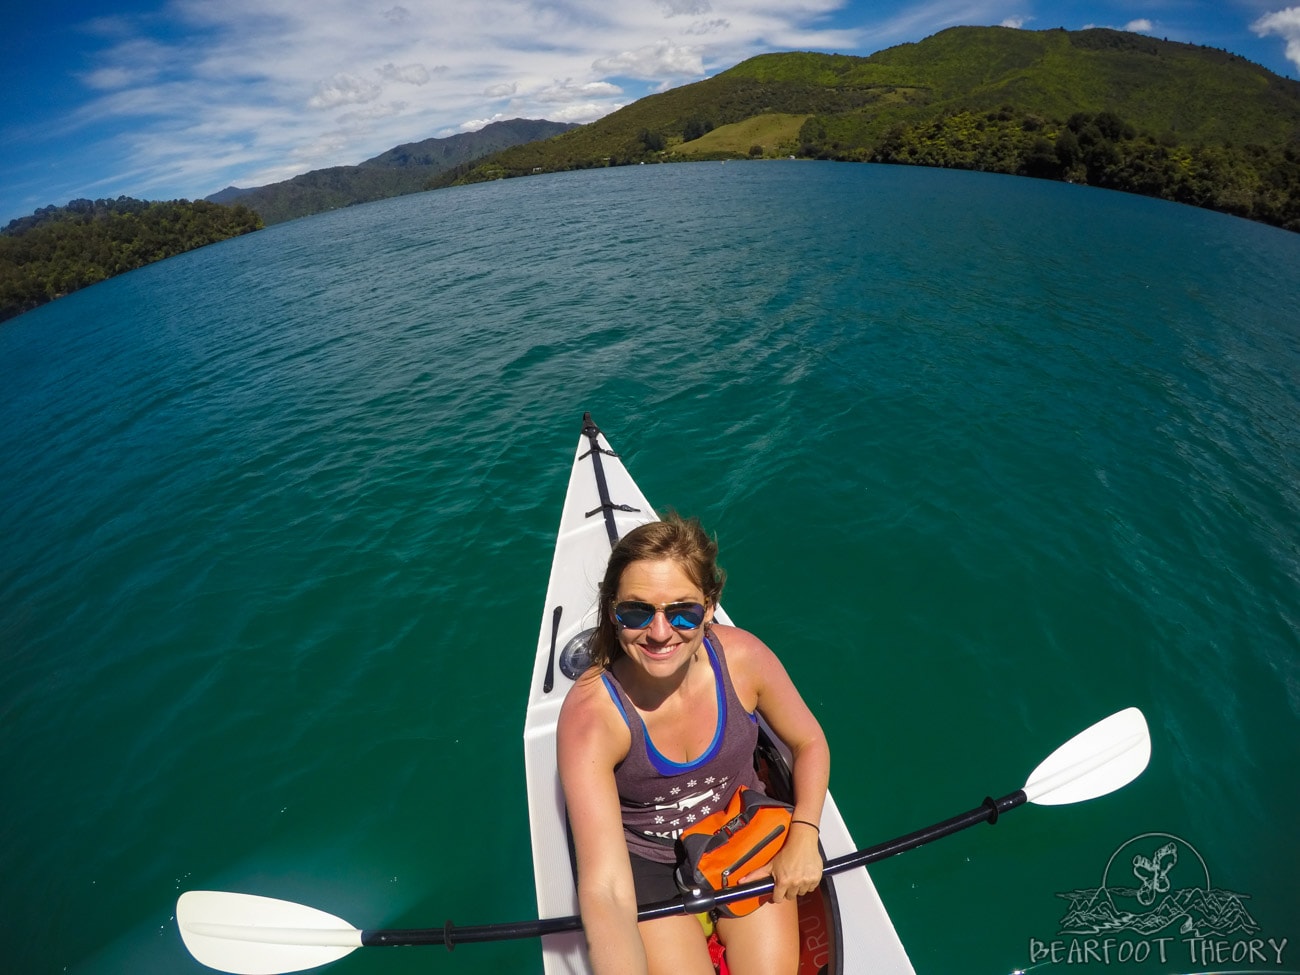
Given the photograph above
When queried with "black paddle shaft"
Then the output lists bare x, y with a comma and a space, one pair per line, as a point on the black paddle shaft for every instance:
697, 902
451, 935
988, 810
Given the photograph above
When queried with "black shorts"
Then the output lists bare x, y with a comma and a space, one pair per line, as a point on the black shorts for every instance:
653, 881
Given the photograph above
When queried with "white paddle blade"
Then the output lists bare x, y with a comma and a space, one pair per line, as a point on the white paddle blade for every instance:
250, 935
1110, 754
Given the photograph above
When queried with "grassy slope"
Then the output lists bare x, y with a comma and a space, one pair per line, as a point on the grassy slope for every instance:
776, 133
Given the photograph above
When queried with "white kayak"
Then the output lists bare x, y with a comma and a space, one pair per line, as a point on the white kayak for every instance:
844, 926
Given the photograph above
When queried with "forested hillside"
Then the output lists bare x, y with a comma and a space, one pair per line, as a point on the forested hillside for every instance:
60, 249
1103, 107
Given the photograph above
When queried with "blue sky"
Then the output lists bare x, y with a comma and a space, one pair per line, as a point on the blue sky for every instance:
163, 99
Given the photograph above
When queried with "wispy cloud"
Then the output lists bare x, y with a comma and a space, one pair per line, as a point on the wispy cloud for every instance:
411, 74
684, 8
345, 89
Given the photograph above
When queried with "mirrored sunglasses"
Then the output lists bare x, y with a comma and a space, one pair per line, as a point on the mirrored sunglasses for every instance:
633, 614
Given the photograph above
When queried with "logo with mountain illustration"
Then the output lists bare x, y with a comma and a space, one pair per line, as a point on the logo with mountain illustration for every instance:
1157, 903
1157, 883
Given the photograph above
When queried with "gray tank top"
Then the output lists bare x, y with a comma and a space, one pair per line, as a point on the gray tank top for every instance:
660, 798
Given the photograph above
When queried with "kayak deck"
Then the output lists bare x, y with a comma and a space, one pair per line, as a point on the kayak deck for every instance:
844, 925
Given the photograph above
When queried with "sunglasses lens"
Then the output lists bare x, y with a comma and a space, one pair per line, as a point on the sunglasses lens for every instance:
634, 616
684, 616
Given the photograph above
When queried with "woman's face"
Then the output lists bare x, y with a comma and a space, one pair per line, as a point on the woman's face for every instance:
659, 648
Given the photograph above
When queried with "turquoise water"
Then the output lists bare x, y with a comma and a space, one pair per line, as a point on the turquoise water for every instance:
988, 459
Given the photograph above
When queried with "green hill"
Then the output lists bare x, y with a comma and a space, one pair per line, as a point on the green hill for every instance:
1103, 107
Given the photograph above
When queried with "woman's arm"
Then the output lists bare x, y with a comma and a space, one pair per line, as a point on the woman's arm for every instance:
759, 676
590, 741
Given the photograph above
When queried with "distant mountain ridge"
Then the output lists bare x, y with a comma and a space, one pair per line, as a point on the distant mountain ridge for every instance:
403, 169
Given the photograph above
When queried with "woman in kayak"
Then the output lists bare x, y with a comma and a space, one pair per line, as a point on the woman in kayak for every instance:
659, 733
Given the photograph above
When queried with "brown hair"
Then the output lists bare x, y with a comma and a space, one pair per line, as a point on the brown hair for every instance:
676, 539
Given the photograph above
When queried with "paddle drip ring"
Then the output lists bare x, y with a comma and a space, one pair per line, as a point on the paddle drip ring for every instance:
991, 805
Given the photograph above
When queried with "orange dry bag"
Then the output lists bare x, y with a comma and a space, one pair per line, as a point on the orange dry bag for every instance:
734, 841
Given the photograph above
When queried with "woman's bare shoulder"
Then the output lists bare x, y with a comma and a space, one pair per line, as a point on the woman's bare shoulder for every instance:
740, 646
749, 661
589, 720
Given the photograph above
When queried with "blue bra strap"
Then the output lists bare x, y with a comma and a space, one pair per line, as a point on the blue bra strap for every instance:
609, 686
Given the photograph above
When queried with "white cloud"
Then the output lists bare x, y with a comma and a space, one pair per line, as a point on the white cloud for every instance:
1140, 26
474, 124
1286, 24
344, 89
703, 27
411, 74
567, 92
1015, 22
325, 144
679, 8
379, 111
583, 112
659, 61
